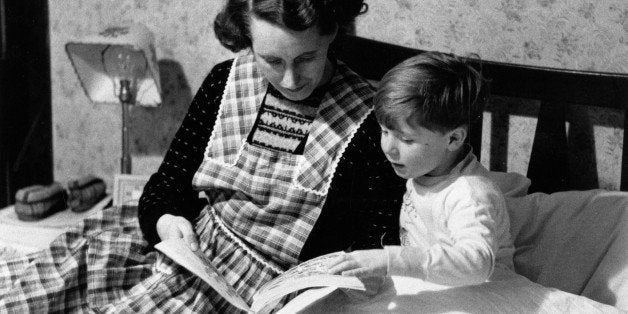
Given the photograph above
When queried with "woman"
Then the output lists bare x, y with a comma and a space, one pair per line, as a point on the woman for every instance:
282, 143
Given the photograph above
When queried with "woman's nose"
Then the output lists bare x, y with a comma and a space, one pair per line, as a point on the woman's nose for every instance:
290, 79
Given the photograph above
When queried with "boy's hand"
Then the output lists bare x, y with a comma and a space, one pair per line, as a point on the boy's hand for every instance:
364, 263
373, 286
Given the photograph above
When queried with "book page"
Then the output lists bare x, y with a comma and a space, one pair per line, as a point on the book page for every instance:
312, 273
179, 251
306, 299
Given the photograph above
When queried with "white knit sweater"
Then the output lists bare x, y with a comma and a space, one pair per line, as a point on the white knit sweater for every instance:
454, 228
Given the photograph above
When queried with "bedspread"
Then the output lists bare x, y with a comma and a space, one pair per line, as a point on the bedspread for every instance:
571, 254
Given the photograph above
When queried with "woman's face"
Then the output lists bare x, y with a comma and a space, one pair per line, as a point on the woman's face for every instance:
294, 62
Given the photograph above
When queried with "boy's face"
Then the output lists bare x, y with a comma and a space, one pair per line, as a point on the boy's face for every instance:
415, 151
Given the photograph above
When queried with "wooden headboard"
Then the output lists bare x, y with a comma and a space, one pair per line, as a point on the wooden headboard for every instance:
556, 89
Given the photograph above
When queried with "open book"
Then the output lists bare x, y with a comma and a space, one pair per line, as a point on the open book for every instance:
309, 274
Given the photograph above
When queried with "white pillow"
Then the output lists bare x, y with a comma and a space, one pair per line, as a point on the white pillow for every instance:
576, 241
512, 184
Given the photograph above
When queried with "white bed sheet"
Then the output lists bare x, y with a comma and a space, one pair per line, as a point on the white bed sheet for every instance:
511, 294
19, 237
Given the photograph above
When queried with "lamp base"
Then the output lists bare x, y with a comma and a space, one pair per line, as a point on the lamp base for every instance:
125, 165
125, 160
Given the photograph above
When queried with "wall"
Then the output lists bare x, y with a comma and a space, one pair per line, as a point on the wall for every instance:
575, 34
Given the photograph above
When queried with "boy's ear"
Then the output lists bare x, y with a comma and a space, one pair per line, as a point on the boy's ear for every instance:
457, 138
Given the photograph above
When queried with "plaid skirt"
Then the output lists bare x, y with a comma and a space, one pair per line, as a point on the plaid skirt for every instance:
104, 265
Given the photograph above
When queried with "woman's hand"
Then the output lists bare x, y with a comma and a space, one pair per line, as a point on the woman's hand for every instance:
364, 263
170, 227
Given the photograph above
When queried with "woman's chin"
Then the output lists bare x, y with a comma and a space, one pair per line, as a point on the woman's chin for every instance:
297, 95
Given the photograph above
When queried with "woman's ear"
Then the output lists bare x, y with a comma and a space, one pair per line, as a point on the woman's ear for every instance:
457, 138
331, 37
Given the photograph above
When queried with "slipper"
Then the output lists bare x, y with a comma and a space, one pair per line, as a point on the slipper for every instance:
37, 202
85, 192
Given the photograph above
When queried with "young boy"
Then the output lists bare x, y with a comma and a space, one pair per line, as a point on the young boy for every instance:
454, 224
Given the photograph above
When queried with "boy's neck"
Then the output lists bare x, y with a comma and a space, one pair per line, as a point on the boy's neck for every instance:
452, 160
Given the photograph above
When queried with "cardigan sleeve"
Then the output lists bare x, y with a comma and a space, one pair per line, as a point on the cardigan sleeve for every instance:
169, 190
378, 191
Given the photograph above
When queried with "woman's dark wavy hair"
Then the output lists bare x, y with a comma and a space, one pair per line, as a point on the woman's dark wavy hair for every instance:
438, 91
231, 25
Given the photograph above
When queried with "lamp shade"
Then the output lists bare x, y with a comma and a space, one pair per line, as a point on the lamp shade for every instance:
88, 57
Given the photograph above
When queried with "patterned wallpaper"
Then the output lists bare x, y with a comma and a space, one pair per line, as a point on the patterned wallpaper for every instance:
574, 34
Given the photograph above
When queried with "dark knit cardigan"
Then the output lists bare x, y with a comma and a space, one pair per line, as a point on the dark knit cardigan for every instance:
363, 202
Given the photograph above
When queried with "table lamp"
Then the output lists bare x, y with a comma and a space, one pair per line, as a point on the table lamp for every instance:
118, 65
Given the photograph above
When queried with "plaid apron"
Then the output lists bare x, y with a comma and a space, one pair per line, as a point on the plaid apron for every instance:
263, 206
267, 200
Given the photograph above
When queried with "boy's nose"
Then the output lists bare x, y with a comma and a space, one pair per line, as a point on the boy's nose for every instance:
389, 148
393, 154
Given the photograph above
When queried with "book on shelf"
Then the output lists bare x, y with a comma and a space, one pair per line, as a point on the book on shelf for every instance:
309, 274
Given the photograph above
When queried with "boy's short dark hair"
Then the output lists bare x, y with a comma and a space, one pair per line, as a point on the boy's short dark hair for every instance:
438, 91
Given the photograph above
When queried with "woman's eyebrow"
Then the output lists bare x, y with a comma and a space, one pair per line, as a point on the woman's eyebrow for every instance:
269, 56
312, 52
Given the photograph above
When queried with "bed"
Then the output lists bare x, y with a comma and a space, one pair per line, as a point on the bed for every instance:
572, 246
571, 242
